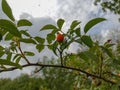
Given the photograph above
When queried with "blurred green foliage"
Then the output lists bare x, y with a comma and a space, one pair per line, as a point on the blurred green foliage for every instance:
112, 5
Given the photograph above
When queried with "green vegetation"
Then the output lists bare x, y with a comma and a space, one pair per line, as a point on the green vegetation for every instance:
46, 79
112, 5
95, 68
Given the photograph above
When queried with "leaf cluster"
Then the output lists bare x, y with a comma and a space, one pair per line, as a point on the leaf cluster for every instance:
112, 5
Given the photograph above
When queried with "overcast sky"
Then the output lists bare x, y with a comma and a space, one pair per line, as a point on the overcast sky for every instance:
42, 12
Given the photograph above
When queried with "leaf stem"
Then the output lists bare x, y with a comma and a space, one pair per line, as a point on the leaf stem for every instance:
23, 55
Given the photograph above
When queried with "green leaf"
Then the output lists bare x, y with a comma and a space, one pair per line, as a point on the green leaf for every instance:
13, 47
50, 47
78, 41
29, 53
115, 86
83, 56
10, 27
9, 36
54, 48
77, 31
88, 55
5, 62
0, 37
74, 24
49, 26
107, 51
27, 40
9, 56
18, 59
60, 23
39, 47
87, 40
7, 10
92, 23
1, 48
91, 55
2, 31
16, 56
24, 22
50, 38
1, 53
39, 40
24, 32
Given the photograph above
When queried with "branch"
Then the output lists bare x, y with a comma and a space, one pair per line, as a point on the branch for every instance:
61, 58
19, 47
59, 66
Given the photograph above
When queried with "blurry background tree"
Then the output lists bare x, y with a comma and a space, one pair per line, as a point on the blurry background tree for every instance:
112, 5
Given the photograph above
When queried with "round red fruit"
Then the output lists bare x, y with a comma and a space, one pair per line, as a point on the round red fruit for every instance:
60, 37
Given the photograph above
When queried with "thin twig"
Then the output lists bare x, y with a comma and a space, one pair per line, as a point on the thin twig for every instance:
61, 57
19, 47
36, 71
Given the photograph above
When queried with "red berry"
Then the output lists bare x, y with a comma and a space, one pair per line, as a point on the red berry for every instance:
60, 38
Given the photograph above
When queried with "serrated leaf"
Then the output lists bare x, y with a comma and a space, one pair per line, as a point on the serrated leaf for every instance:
24, 22
29, 53
60, 23
27, 40
87, 40
74, 24
10, 27
92, 23
49, 26
39, 47
7, 10
39, 40
5, 62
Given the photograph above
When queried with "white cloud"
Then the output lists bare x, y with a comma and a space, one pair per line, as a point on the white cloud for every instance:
36, 8
84, 10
